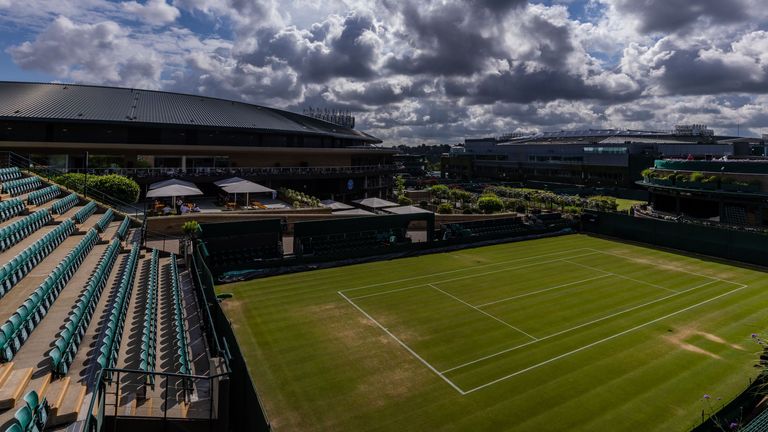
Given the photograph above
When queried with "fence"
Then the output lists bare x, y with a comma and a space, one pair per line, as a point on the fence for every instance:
748, 247
244, 415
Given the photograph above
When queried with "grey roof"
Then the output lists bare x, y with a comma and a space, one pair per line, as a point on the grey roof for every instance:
335, 205
70, 102
375, 203
406, 210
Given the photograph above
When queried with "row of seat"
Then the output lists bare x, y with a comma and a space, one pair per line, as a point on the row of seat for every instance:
10, 208
85, 212
32, 416
15, 269
19, 186
9, 173
122, 230
42, 196
63, 205
23, 322
20, 229
110, 344
105, 220
65, 347
149, 334
178, 318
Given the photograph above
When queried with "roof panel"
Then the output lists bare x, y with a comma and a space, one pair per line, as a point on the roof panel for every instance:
113, 104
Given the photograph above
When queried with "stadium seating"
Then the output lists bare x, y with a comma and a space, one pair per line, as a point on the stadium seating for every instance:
32, 416
42, 196
9, 173
104, 220
15, 269
178, 318
66, 345
63, 205
149, 335
22, 323
110, 345
19, 230
10, 208
85, 212
20, 186
122, 230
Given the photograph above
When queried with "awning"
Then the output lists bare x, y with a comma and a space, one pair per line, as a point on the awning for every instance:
335, 205
406, 210
238, 185
174, 182
375, 203
354, 212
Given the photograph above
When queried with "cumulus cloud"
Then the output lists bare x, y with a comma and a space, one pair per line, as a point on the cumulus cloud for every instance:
155, 12
436, 70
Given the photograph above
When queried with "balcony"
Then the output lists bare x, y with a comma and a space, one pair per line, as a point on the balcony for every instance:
250, 172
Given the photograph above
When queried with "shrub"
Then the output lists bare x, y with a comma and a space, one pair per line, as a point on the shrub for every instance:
404, 200
646, 173
490, 204
711, 179
116, 186
190, 228
439, 191
697, 177
445, 208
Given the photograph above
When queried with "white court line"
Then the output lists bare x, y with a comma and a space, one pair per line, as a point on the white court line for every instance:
468, 276
672, 269
577, 327
464, 269
413, 353
621, 276
601, 341
485, 313
542, 290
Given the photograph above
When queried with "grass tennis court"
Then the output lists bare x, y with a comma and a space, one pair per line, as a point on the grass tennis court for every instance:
570, 332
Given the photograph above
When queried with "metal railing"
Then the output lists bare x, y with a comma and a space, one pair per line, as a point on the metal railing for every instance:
175, 389
232, 171
47, 172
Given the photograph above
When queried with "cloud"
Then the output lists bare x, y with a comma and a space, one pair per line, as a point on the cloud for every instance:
436, 70
154, 12
674, 15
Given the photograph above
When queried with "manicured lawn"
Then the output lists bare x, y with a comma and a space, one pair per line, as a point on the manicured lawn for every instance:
566, 333
625, 204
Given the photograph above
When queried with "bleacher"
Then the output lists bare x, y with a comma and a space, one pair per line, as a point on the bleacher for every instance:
68, 287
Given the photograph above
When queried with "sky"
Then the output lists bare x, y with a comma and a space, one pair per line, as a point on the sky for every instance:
426, 71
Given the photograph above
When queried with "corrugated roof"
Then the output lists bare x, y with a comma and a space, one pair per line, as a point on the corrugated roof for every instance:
70, 102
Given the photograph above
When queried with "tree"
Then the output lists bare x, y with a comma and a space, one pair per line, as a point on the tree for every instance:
490, 204
439, 191
404, 200
399, 186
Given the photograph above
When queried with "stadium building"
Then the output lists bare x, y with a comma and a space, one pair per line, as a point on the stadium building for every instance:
151, 134
733, 192
597, 157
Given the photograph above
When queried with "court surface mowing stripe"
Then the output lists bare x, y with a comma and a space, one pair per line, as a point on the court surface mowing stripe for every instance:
569, 332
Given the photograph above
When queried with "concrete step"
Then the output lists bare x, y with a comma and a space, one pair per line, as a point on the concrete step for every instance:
56, 392
70, 408
13, 388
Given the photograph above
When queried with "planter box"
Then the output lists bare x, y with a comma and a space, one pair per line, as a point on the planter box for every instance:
662, 182
709, 186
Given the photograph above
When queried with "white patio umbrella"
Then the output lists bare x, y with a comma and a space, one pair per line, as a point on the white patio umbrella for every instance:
237, 185
172, 188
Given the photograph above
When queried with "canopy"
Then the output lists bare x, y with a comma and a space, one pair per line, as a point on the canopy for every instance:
335, 205
353, 212
375, 203
181, 188
247, 187
231, 180
406, 210
171, 182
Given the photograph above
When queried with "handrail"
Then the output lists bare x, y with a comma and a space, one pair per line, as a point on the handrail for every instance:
48, 172
220, 171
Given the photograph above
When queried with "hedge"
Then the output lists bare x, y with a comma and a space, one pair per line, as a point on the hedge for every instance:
116, 186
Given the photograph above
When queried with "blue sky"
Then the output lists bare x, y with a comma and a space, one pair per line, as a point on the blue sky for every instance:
438, 71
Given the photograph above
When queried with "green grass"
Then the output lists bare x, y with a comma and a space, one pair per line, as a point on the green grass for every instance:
626, 204
566, 333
